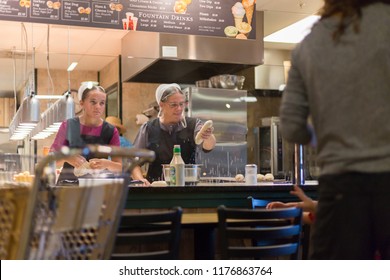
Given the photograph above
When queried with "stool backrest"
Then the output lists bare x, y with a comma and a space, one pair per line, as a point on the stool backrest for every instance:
276, 232
256, 202
144, 236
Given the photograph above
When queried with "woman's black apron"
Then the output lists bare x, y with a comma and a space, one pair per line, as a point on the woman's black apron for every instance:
162, 142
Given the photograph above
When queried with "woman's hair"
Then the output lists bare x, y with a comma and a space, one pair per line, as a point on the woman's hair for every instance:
88, 90
164, 96
350, 12
170, 91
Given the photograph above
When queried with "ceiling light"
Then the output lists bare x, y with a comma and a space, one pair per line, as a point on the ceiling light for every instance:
293, 33
245, 99
28, 120
72, 67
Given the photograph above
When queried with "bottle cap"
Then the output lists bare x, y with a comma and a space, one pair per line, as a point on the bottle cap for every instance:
176, 149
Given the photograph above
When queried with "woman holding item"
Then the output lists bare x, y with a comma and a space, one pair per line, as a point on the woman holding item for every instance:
170, 128
88, 128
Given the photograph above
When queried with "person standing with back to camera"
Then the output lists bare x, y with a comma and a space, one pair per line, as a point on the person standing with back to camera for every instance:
340, 76
88, 128
170, 128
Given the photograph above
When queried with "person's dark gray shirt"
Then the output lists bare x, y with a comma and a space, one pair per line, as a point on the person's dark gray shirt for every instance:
345, 88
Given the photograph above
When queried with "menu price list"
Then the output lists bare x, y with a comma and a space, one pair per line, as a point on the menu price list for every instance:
13, 8
196, 17
76, 11
223, 18
45, 9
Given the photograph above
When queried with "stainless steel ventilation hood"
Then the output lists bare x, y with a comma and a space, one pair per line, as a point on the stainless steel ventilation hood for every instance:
150, 57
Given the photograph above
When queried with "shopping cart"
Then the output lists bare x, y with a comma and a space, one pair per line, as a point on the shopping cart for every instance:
43, 220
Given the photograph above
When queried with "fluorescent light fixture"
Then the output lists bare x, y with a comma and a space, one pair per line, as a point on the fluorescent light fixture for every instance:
72, 66
293, 33
245, 99
39, 96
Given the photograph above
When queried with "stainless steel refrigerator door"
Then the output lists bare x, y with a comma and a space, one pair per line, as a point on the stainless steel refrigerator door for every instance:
228, 111
226, 108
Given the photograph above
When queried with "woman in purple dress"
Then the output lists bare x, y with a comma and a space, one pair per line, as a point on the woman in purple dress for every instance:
88, 128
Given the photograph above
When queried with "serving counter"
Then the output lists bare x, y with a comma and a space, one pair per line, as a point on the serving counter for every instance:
211, 195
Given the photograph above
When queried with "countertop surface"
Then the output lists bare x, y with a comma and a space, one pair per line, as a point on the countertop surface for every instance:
225, 186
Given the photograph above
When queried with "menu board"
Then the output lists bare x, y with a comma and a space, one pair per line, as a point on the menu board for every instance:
222, 18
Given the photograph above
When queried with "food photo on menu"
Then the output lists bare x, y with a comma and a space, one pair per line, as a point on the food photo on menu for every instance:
180, 6
25, 3
242, 13
53, 5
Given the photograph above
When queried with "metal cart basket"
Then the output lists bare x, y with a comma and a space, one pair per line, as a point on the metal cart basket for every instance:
43, 220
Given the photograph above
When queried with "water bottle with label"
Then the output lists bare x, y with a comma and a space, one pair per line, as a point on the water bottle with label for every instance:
177, 167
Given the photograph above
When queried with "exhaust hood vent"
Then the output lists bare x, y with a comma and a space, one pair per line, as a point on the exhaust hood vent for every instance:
183, 71
151, 57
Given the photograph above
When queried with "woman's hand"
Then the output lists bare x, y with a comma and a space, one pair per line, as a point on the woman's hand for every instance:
278, 204
100, 163
114, 165
207, 133
209, 140
136, 174
145, 182
76, 161
307, 204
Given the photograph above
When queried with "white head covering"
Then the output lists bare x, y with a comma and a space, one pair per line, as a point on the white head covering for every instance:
159, 93
84, 86
163, 87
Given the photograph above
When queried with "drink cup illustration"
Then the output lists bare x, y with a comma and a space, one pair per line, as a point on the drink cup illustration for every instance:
129, 17
125, 23
135, 23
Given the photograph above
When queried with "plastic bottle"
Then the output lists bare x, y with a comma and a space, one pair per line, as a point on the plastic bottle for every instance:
177, 166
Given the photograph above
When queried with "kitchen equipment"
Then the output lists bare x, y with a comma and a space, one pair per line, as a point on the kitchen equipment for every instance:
227, 81
203, 83
228, 111
277, 156
191, 173
10, 162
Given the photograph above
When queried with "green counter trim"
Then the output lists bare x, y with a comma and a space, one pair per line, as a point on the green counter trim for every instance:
208, 196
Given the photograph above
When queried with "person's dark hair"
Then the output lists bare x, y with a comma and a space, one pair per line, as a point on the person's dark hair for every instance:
88, 90
350, 12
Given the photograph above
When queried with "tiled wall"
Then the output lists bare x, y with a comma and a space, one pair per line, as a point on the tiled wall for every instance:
136, 97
